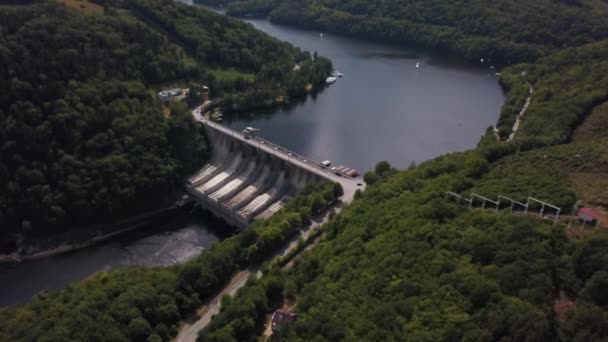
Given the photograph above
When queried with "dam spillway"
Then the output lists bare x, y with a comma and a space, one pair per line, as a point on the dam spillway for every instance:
243, 182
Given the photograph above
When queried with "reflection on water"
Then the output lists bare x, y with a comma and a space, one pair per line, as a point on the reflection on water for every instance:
384, 108
176, 241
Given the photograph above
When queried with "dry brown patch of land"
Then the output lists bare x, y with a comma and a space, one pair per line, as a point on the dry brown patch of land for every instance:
562, 305
591, 188
83, 5
594, 126
14, 6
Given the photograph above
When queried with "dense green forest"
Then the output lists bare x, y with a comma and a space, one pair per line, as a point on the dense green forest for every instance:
563, 42
504, 32
407, 264
567, 85
404, 263
147, 304
84, 140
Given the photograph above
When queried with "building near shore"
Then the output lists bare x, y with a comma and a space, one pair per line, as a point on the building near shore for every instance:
281, 319
587, 215
171, 94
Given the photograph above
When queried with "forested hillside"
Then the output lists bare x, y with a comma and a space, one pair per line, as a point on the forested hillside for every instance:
567, 86
149, 304
84, 138
563, 42
505, 32
408, 265
83, 135
404, 263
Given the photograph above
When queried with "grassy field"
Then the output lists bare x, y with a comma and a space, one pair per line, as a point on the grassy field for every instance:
595, 125
591, 188
231, 74
562, 174
83, 5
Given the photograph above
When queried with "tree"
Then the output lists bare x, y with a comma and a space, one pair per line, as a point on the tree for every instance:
317, 203
139, 329
594, 290
383, 168
338, 190
370, 178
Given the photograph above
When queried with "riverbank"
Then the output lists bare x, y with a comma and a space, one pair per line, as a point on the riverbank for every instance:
89, 236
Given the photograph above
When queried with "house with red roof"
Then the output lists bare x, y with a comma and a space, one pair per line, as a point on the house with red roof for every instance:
587, 215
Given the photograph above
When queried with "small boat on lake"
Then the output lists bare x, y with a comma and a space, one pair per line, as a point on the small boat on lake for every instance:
330, 80
417, 65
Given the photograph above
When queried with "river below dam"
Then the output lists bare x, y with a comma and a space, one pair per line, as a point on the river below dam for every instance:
384, 108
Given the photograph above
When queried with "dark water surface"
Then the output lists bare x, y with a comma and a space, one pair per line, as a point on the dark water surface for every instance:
382, 109
176, 241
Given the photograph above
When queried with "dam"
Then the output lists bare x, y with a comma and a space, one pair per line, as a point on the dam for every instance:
248, 178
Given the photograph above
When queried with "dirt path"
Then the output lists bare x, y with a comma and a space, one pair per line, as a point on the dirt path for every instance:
521, 114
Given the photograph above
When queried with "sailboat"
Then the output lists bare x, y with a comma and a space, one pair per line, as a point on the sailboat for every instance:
417, 65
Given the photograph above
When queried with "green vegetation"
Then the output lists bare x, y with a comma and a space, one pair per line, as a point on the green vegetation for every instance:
565, 43
411, 264
233, 48
595, 126
242, 317
503, 32
564, 173
567, 86
84, 140
140, 304
83, 5
402, 262
231, 75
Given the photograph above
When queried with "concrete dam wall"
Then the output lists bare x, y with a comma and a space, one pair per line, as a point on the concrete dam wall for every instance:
242, 183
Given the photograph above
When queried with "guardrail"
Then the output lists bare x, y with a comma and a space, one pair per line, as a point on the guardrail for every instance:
288, 155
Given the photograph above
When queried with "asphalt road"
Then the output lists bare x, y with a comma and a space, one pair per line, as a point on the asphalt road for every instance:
189, 331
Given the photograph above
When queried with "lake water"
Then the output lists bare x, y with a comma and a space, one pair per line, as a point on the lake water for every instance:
382, 109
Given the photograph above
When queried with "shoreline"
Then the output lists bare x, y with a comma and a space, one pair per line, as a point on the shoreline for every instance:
143, 221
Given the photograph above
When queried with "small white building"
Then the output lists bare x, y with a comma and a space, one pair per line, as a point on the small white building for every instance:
171, 94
